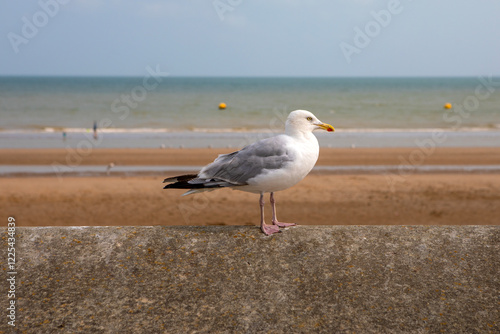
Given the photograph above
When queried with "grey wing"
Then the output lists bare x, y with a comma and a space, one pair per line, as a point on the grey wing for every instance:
240, 166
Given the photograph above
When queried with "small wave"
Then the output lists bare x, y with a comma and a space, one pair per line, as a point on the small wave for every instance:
51, 130
420, 130
231, 130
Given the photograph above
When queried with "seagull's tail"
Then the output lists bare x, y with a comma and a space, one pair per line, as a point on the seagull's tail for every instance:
194, 183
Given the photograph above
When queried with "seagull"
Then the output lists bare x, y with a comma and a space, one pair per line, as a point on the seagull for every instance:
266, 166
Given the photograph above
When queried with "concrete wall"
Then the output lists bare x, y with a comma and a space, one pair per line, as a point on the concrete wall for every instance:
308, 279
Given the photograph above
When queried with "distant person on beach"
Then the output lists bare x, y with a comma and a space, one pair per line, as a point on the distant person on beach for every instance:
64, 135
95, 130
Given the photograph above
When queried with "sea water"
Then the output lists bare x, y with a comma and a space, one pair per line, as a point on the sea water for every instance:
183, 112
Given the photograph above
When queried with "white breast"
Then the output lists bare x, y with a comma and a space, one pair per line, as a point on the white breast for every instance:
305, 152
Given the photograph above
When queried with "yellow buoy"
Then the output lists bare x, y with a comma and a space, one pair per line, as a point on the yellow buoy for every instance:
447, 106
222, 105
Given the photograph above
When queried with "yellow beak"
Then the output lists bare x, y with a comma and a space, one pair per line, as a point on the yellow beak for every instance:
326, 127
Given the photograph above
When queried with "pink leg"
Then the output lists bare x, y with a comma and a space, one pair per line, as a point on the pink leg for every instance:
267, 229
275, 219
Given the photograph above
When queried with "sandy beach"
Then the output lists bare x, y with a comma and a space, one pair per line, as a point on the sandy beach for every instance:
430, 199
320, 199
202, 156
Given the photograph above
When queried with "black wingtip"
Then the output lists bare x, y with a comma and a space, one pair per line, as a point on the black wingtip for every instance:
182, 182
180, 178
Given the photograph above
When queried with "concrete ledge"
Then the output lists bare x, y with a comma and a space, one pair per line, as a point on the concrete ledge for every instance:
321, 279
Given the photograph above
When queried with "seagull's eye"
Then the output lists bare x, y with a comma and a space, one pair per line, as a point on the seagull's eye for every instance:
309, 119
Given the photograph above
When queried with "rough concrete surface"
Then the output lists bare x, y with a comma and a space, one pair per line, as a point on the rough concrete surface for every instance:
233, 279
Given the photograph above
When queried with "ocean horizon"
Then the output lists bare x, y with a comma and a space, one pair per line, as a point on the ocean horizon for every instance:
152, 111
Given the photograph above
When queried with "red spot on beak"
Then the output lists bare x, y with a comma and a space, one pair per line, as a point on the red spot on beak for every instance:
329, 130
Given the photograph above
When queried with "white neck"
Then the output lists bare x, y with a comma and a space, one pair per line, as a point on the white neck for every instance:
298, 133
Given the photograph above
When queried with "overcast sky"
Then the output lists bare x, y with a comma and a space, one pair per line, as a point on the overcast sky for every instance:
251, 37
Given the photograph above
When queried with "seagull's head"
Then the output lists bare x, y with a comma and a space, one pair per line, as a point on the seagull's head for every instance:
305, 121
